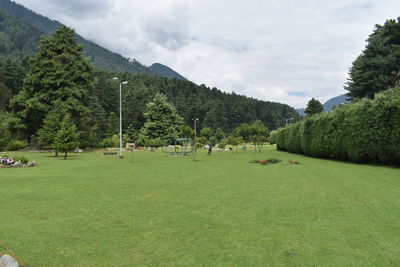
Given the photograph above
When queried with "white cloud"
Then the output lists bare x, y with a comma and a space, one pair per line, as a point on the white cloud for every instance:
283, 51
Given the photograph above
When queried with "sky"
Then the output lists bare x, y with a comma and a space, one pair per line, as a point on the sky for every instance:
283, 51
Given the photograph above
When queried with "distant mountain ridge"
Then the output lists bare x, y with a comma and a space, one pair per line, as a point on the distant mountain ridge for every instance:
102, 58
336, 101
328, 105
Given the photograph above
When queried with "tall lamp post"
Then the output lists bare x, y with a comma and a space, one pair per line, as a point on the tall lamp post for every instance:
287, 121
195, 137
120, 116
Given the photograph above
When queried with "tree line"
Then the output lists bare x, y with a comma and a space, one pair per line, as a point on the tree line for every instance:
60, 81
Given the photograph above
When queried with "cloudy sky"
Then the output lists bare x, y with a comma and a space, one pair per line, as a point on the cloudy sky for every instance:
286, 51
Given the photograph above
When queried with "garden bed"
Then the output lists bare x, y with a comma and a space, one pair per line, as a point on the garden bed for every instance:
7, 161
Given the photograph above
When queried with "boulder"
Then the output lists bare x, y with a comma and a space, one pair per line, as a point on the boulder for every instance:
8, 261
31, 164
18, 164
78, 150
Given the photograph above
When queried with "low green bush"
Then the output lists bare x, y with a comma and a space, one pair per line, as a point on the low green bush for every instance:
21, 159
16, 145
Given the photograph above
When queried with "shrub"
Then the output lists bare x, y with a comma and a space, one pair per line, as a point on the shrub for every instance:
112, 141
274, 161
16, 145
366, 131
21, 159
154, 143
222, 145
272, 137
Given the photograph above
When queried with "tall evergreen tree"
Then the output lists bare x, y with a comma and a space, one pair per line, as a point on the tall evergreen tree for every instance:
313, 107
162, 120
58, 72
377, 67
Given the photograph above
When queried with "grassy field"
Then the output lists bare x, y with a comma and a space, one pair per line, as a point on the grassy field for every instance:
150, 210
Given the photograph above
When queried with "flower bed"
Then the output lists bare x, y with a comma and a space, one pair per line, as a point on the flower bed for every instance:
272, 161
8, 161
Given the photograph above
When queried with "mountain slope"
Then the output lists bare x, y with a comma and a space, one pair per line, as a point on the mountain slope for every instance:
16, 36
301, 111
101, 57
336, 101
165, 71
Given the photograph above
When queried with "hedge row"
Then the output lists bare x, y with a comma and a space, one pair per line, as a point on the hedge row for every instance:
366, 131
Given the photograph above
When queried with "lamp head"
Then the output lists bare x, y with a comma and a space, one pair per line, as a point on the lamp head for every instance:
115, 79
124, 82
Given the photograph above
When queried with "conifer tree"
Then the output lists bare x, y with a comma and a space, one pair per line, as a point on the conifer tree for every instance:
51, 126
58, 73
162, 120
377, 67
313, 107
67, 137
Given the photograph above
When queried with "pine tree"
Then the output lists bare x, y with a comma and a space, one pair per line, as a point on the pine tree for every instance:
51, 126
58, 73
313, 107
162, 120
376, 69
67, 137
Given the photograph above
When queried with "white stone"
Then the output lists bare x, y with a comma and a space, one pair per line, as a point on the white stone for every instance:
8, 261
18, 164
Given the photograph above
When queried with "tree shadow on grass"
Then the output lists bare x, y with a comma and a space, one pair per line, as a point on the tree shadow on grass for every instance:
72, 157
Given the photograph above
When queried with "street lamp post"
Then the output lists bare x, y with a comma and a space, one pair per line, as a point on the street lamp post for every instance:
120, 116
195, 137
287, 121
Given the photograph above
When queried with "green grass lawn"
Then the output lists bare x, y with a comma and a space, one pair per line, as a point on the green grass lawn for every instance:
150, 210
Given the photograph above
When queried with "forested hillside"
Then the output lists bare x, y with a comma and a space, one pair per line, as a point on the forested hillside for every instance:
39, 25
60, 80
18, 39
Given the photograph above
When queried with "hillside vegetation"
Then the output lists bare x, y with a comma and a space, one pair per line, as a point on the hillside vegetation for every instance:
39, 25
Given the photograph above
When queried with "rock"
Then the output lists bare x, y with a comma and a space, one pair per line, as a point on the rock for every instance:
18, 164
78, 150
8, 261
31, 164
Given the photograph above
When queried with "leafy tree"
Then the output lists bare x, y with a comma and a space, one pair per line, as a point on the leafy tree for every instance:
272, 137
244, 131
67, 137
219, 134
162, 120
378, 66
313, 107
258, 134
58, 73
201, 141
234, 141
206, 132
187, 132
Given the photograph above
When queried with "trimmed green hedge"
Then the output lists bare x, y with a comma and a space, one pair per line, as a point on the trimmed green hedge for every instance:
366, 131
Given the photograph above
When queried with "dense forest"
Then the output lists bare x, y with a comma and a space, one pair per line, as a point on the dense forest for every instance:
60, 80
